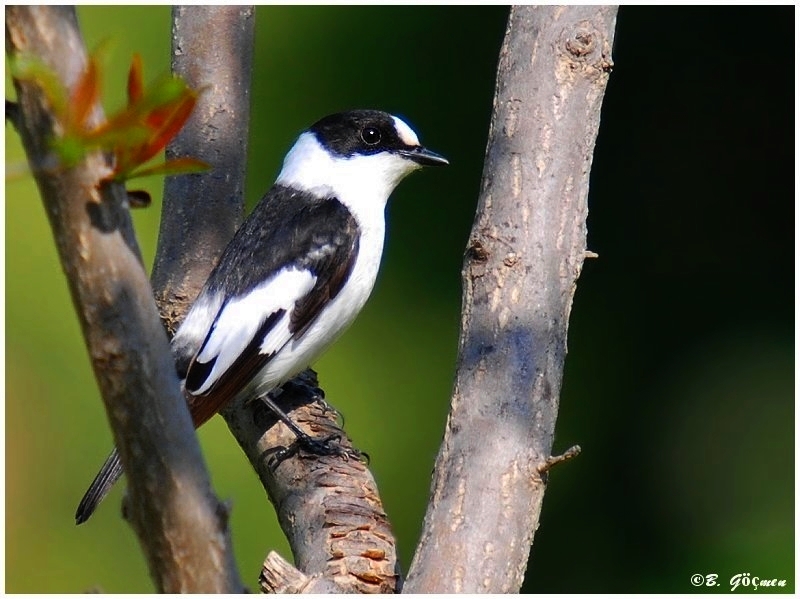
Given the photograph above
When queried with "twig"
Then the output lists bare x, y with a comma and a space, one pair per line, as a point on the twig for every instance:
572, 452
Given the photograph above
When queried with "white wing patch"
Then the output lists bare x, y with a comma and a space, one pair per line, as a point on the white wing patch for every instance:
194, 328
242, 317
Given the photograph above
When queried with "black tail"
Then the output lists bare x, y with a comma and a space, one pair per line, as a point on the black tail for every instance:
101, 485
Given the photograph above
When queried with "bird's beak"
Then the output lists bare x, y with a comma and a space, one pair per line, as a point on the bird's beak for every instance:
424, 157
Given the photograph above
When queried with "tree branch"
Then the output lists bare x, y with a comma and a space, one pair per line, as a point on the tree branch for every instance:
524, 256
172, 507
328, 507
212, 50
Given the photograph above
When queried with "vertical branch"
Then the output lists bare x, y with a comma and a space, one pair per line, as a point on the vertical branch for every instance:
172, 507
212, 50
521, 267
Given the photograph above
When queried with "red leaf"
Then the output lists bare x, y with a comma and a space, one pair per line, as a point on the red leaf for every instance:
171, 119
84, 96
135, 80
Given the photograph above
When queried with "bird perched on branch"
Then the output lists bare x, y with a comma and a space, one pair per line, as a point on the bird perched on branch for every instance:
296, 273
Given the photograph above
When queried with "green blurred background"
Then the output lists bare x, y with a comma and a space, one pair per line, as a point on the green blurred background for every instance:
680, 375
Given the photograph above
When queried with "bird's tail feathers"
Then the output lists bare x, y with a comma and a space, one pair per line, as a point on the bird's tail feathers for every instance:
101, 485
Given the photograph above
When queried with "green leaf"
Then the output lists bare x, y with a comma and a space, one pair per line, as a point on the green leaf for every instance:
179, 166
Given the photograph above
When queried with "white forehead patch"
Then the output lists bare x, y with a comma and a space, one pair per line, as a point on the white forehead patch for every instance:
406, 133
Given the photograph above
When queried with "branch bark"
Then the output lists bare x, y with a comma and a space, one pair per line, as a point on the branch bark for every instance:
520, 271
328, 506
212, 50
172, 507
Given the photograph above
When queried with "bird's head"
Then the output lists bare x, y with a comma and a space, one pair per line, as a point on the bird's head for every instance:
356, 154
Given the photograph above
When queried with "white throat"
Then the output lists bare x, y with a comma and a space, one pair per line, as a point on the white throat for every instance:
362, 183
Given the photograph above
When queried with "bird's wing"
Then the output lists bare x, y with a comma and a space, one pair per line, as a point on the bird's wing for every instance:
274, 291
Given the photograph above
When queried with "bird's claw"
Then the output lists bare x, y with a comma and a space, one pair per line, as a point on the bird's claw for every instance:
325, 446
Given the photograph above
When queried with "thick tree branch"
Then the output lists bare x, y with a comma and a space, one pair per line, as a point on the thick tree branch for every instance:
328, 506
212, 50
172, 507
525, 254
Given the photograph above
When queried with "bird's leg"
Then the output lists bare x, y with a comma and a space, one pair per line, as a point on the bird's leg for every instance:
284, 417
321, 447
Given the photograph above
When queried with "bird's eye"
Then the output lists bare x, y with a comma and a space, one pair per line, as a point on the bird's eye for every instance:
370, 135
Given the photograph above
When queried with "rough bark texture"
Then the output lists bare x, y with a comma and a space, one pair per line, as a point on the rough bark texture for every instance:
212, 50
328, 506
279, 576
524, 256
172, 507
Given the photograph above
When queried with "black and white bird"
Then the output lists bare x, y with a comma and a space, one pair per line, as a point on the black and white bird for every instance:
296, 273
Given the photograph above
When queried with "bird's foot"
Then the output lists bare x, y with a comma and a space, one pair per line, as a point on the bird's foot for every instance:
324, 446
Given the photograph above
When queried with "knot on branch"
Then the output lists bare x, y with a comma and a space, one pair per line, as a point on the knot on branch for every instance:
582, 41
585, 46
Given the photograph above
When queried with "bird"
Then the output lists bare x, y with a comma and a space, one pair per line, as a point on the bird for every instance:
295, 274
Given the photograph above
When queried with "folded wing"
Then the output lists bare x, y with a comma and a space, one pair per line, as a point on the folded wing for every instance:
270, 297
